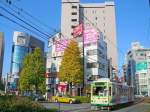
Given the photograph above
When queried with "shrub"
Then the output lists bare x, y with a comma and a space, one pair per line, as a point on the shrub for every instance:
20, 104
83, 99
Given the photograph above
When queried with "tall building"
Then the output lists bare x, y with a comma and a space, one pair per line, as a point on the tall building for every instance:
95, 59
138, 69
23, 44
99, 15
1, 52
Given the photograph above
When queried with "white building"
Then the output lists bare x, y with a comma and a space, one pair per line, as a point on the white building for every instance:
98, 15
138, 69
101, 17
95, 59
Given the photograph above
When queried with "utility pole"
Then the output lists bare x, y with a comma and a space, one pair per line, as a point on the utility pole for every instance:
6, 83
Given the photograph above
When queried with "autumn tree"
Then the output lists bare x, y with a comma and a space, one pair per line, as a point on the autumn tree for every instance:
71, 69
32, 74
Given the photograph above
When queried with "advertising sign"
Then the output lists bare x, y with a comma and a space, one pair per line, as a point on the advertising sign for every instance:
90, 35
77, 31
141, 67
60, 45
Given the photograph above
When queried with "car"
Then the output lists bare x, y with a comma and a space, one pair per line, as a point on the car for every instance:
35, 97
64, 99
38, 97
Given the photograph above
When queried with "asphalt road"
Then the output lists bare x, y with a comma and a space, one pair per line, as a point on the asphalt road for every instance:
140, 107
68, 107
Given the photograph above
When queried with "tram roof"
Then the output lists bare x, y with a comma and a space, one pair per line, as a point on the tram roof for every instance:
103, 80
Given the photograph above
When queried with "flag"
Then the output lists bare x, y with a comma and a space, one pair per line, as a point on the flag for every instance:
77, 31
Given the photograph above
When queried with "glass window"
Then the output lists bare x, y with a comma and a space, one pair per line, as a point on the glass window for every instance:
92, 65
74, 20
74, 13
91, 52
73, 26
95, 18
74, 7
100, 91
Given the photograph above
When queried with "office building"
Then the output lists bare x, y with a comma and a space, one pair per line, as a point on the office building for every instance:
98, 15
23, 44
138, 69
95, 59
1, 52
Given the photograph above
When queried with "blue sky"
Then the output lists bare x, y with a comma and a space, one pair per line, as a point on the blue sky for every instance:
132, 23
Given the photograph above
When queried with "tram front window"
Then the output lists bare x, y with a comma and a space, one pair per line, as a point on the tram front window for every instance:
100, 91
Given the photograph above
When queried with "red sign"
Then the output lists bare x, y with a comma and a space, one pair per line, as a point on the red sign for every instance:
77, 31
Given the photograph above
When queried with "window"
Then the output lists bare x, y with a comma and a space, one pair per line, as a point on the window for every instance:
74, 13
100, 91
93, 11
74, 7
74, 20
95, 18
73, 26
92, 52
92, 65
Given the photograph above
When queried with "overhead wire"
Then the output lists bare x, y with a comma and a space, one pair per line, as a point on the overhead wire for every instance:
45, 25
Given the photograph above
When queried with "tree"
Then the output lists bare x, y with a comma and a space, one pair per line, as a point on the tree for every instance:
32, 73
71, 69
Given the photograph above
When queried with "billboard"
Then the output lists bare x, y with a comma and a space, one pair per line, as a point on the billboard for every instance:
90, 35
141, 67
60, 45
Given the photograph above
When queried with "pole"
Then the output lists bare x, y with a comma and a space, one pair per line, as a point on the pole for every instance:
83, 52
6, 84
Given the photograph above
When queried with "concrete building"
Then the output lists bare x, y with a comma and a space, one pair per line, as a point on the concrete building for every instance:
23, 44
138, 69
95, 59
1, 52
99, 15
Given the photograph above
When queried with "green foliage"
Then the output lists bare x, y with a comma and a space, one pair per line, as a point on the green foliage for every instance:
71, 65
20, 104
32, 74
83, 99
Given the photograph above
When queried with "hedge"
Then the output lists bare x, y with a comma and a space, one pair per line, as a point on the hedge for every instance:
20, 104
83, 99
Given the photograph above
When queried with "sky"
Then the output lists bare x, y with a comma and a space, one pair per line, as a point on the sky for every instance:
132, 23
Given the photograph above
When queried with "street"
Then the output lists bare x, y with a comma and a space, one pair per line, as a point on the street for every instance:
140, 107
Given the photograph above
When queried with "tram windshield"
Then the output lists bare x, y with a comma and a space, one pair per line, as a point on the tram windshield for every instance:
100, 91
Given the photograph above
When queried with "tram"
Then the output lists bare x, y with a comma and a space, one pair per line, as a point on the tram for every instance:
107, 94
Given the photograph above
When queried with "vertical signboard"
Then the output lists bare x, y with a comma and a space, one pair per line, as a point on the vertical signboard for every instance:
141, 67
90, 35
60, 45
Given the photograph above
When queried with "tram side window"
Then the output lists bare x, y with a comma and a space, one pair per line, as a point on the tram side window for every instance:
113, 90
109, 91
100, 91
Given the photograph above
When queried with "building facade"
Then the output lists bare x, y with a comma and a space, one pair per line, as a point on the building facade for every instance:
95, 59
23, 44
138, 69
98, 15
1, 52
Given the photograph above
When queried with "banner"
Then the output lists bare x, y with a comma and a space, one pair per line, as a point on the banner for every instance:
77, 31
60, 45
90, 35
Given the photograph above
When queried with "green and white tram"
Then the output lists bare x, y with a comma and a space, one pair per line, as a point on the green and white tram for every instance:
105, 93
